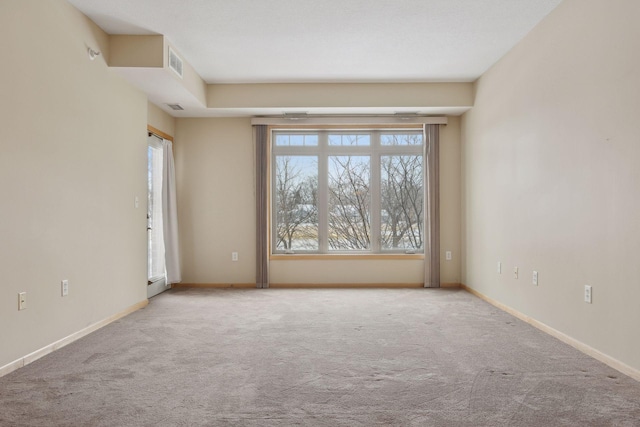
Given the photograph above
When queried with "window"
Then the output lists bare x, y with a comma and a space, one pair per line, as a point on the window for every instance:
347, 191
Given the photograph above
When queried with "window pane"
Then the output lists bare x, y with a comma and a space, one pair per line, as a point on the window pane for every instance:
282, 139
401, 139
296, 189
349, 139
296, 140
311, 140
349, 203
402, 202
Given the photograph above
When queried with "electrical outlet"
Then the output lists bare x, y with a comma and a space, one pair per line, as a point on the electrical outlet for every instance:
447, 255
22, 301
136, 202
234, 256
499, 267
587, 294
64, 285
535, 278
515, 272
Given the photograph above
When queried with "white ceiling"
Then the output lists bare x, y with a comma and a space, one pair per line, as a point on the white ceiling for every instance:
287, 41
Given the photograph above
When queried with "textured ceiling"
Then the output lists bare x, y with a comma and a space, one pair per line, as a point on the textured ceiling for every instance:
286, 41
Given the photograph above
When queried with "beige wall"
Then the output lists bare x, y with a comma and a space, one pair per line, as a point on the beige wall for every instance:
136, 51
73, 159
347, 272
450, 201
215, 175
340, 95
160, 120
216, 209
551, 156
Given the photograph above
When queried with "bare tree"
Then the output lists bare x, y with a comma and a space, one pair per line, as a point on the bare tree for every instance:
296, 206
349, 203
402, 202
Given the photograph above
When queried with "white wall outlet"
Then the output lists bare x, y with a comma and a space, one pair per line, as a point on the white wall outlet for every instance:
515, 272
64, 288
234, 256
587, 294
535, 278
499, 267
136, 202
447, 255
22, 301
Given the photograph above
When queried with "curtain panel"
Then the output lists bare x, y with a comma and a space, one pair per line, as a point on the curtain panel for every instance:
170, 216
261, 141
432, 207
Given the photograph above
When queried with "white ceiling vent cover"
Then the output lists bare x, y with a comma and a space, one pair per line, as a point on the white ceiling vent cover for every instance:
176, 107
175, 62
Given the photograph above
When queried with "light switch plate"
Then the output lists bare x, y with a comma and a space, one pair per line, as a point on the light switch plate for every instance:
22, 301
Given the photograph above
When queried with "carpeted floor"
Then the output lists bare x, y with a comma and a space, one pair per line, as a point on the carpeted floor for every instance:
318, 357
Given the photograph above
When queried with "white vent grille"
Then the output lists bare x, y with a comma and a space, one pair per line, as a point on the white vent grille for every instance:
175, 63
176, 107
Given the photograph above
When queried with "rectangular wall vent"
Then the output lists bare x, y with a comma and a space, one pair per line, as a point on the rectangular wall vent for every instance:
176, 107
175, 63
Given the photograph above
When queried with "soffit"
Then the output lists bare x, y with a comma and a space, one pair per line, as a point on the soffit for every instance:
287, 41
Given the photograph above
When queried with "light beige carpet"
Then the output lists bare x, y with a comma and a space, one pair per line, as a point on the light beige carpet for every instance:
320, 357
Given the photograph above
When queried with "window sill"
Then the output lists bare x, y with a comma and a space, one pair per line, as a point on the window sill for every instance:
344, 257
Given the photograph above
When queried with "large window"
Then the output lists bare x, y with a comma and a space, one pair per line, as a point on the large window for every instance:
346, 191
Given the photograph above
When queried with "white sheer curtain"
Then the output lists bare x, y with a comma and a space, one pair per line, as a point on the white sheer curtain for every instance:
155, 261
170, 216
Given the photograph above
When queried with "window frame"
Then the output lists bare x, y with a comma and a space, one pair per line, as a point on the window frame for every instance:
323, 151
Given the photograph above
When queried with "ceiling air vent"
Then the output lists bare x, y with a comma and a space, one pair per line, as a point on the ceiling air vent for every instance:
176, 107
175, 63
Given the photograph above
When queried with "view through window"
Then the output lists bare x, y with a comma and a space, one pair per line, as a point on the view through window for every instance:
346, 191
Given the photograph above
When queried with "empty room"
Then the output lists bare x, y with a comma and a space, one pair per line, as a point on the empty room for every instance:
320, 213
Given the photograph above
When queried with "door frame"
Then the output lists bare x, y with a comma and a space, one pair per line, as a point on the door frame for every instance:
159, 285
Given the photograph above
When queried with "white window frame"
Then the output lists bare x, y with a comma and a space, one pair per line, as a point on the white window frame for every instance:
323, 151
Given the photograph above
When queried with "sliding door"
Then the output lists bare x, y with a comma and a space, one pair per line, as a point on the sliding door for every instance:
156, 274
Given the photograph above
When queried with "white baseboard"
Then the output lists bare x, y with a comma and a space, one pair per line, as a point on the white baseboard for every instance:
345, 285
450, 285
299, 285
215, 285
578, 345
31, 357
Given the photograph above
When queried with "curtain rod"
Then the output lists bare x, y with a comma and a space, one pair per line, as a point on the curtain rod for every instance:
158, 132
349, 120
